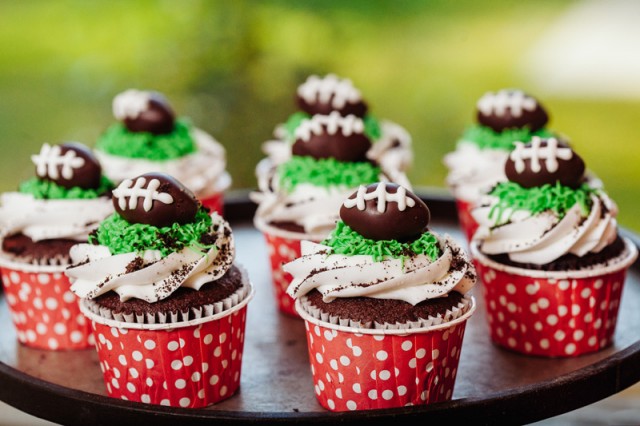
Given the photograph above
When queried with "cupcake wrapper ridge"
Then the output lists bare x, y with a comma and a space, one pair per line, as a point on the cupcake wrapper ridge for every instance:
195, 313
454, 313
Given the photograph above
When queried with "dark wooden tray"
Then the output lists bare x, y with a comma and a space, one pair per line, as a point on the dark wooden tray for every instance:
493, 385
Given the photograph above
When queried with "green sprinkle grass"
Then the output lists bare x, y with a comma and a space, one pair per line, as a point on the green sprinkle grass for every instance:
119, 141
47, 190
123, 237
346, 241
557, 198
325, 172
486, 138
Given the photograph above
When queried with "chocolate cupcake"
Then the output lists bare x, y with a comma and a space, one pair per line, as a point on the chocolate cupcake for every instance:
502, 119
390, 143
302, 198
162, 267
548, 245
149, 137
51, 212
386, 284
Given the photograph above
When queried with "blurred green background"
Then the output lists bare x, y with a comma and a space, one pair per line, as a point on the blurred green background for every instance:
233, 67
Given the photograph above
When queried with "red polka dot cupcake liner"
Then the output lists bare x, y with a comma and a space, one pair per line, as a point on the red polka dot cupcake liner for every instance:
44, 311
281, 251
553, 314
283, 247
467, 223
366, 369
190, 364
214, 202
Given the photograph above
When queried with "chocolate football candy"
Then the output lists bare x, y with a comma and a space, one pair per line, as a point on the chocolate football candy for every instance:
68, 165
332, 136
511, 108
142, 111
544, 161
385, 211
325, 95
155, 199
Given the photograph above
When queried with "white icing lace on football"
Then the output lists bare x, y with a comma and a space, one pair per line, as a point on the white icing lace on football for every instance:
130, 104
50, 158
323, 89
498, 103
536, 152
333, 123
135, 191
382, 196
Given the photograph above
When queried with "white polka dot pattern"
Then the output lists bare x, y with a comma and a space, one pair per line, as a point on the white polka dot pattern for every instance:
184, 367
45, 313
282, 250
387, 371
555, 318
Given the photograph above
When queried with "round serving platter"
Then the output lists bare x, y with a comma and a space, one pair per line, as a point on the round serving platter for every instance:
492, 384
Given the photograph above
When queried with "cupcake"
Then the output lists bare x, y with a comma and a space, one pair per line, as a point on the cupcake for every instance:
549, 254
302, 198
39, 223
325, 95
476, 166
165, 299
385, 302
149, 138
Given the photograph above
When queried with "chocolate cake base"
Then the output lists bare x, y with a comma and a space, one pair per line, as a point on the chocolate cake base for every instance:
568, 262
41, 252
287, 226
367, 309
180, 300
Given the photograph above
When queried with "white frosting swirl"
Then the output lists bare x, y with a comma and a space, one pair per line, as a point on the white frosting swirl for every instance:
413, 280
96, 271
474, 171
203, 171
545, 237
50, 219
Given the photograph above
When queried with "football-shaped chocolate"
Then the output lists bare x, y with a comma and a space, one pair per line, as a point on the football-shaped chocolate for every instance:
332, 136
155, 199
385, 211
543, 161
68, 165
511, 108
142, 111
330, 93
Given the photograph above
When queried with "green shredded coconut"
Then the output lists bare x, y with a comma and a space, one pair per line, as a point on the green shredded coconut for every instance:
487, 138
371, 125
557, 198
124, 237
325, 172
118, 140
47, 190
346, 241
